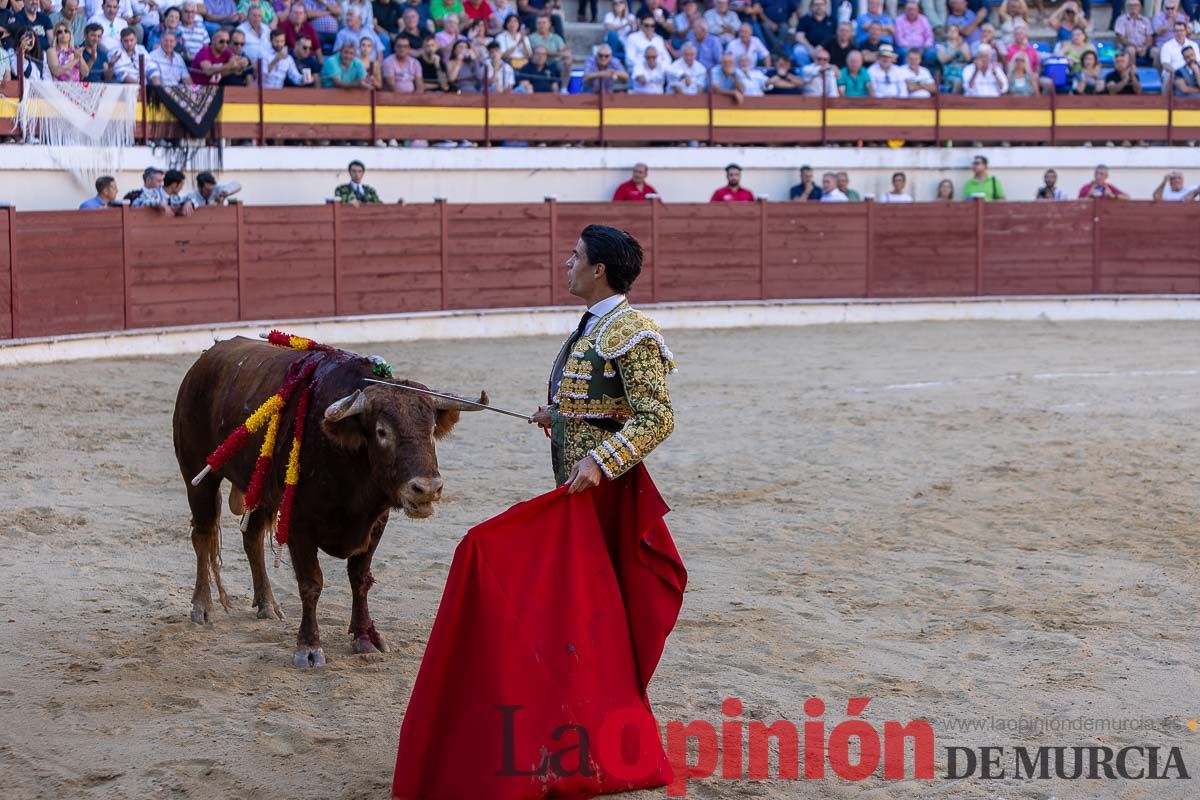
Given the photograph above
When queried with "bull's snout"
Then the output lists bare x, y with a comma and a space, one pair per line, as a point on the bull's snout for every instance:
424, 490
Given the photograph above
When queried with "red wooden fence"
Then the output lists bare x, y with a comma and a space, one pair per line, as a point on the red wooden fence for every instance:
64, 272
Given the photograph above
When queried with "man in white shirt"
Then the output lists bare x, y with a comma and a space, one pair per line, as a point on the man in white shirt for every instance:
650, 76
887, 80
687, 75
722, 22
280, 65
747, 44
638, 41
164, 66
829, 191
1172, 188
917, 79
814, 72
754, 81
111, 24
1171, 53
984, 77
192, 33
123, 63
258, 35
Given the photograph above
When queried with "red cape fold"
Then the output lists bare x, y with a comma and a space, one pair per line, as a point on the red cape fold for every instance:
555, 614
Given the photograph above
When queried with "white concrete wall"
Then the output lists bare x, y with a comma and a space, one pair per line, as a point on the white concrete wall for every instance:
302, 175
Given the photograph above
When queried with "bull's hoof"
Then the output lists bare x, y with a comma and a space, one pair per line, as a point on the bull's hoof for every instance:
307, 657
270, 611
362, 646
200, 614
377, 640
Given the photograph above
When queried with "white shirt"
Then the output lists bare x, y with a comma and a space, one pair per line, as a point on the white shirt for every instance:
812, 81
714, 21
656, 78
635, 48
110, 30
1171, 52
259, 44
599, 310
836, 196
993, 83
921, 75
623, 26
193, 39
756, 50
890, 197
125, 66
171, 71
273, 77
754, 82
888, 83
95, 8
1170, 194
679, 70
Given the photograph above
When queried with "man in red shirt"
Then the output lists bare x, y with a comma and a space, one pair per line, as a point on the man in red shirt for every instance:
635, 189
1100, 187
297, 26
732, 191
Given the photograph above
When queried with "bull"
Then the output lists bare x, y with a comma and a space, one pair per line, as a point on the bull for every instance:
365, 452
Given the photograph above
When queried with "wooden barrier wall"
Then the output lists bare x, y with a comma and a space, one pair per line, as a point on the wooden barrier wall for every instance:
336, 114
64, 272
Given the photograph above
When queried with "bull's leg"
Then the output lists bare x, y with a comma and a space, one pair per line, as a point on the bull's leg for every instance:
309, 580
362, 627
205, 502
253, 537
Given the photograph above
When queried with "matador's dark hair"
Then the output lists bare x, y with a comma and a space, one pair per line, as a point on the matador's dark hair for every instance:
619, 252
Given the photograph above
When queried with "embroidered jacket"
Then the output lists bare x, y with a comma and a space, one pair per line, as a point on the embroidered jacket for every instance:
345, 194
613, 404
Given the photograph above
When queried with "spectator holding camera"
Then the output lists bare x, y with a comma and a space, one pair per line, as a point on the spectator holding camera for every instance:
1100, 187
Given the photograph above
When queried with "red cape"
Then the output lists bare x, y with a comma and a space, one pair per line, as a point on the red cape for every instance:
555, 614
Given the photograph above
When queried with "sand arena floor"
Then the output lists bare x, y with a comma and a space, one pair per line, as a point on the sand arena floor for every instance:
961, 521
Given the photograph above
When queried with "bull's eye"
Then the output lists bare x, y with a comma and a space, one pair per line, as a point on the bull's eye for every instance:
381, 433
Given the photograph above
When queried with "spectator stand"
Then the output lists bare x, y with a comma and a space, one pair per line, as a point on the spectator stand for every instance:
230, 263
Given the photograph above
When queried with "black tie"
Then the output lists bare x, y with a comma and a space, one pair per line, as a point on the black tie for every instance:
560, 363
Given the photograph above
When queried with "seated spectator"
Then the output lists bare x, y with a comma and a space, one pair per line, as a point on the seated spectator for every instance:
984, 77
530, 10
538, 74
1021, 81
216, 60
875, 15
967, 20
1170, 54
636, 43
618, 24
164, 66
840, 46
513, 41
543, 36
440, 9
813, 30
208, 193
708, 47
501, 11
366, 14
820, 75
256, 33
172, 20
1123, 77
953, 54
772, 20
806, 189
830, 193
297, 25
433, 71
722, 22
305, 55
479, 13
28, 15
918, 81
1067, 18
747, 44
123, 65
1134, 32
370, 58
244, 75
192, 34
1090, 78
70, 16
664, 24
281, 67
732, 191
945, 190
325, 17
345, 71
1050, 189
724, 80
1171, 188
1011, 14
1100, 187
266, 8
502, 79
981, 184
1074, 49
402, 72
448, 35
354, 32
913, 32
111, 25
106, 194
897, 194
1165, 23
411, 30
843, 185
94, 67
465, 70
635, 189
854, 80
888, 80
63, 60
1022, 45
754, 81
355, 193
869, 49
681, 24
386, 15
1187, 77
784, 78
602, 71
987, 38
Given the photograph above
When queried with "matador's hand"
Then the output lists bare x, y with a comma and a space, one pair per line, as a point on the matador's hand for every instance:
541, 416
584, 475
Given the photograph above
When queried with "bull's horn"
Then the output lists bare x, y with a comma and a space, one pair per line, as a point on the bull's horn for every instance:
347, 406
446, 402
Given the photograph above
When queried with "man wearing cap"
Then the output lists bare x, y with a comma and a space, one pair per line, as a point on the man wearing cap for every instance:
1172, 188
887, 80
732, 191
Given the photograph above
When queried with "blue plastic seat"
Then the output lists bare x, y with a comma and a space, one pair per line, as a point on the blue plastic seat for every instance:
1151, 80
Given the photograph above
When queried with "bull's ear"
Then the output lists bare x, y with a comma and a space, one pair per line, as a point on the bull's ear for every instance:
343, 421
446, 420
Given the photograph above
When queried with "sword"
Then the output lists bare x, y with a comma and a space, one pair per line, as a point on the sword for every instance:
449, 397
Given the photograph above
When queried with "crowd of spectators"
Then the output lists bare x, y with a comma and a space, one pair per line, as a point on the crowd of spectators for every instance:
738, 48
